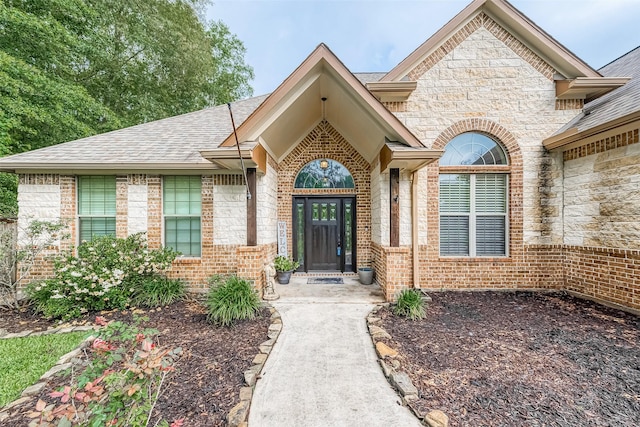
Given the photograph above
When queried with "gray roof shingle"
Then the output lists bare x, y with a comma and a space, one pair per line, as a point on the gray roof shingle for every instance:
618, 103
173, 140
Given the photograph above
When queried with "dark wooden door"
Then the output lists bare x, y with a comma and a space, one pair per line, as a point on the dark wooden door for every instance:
323, 233
324, 230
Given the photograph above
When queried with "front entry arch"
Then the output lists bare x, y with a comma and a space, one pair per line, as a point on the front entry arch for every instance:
324, 237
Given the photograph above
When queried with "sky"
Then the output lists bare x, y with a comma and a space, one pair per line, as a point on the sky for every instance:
370, 35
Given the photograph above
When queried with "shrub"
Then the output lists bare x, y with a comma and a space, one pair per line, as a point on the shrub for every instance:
119, 387
231, 299
104, 275
157, 290
410, 304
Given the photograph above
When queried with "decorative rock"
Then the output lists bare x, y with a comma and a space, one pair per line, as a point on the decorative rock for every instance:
265, 349
251, 375
386, 369
64, 330
3, 416
34, 389
246, 393
3, 332
270, 342
18, 402
17, 335
58, 368
377, 332
404, 385
275, 327
275, 314
238, 414
384, 350
67, 357
373, 320
260, 359
277, 321
395, 364
437, 418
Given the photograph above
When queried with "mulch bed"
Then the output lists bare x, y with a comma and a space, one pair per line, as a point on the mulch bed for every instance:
208, 376
521, 359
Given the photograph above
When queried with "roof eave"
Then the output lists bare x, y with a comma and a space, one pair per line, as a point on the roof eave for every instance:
91, 167
411, 159
588, 88
571, 136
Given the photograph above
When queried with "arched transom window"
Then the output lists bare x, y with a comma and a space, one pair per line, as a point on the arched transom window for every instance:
473, 197
324, 173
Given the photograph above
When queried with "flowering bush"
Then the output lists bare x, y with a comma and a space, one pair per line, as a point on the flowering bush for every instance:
104, 275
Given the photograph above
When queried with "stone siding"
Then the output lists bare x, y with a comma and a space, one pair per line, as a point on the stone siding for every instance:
601, 197
230, 214
137, 210
267, 189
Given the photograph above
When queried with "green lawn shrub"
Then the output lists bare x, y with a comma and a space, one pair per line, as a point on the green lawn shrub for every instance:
410, 304
230, 299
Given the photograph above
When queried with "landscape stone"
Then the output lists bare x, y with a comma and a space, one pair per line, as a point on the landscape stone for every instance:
58, 368
377, 332
251, 375
386, 369
33, 389
17, 335
404, 385
265, 349
260, 359
437, 418
373, 320
3, 416
69, 356
276, 321
246, 393
384, 350
238, 414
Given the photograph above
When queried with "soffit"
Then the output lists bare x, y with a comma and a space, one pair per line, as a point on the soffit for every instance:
295, 108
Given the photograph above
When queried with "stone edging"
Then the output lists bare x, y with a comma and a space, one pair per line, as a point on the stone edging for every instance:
239, 414
392, 369
65, 362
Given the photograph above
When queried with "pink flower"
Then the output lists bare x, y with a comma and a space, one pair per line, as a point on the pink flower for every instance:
101, 321
139, 337
100, 344
177, 423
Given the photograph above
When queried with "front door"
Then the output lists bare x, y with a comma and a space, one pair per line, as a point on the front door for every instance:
323, 230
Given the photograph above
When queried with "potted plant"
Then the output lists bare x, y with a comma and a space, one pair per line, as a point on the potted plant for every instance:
284, 267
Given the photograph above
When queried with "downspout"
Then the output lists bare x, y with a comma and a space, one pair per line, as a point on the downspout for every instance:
414, 229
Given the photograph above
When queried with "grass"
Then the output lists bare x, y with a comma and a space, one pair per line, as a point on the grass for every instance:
24, 360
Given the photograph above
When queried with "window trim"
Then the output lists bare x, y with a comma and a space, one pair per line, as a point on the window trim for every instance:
165, 216
473, 171
79, 217
473, 215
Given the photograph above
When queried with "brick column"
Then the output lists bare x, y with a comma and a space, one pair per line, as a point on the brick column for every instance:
154, 213
251, 265
395, 271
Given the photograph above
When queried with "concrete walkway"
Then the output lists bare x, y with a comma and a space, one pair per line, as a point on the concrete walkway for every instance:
323, 370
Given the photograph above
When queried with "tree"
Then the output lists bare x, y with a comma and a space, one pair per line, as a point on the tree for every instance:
75, 68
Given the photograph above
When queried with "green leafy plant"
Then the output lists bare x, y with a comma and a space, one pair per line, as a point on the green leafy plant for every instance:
230, 299
158, 290
283, 263
410, 304
105, 274
119, 387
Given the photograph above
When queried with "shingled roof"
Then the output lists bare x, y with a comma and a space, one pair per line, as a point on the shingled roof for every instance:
173, 143
616, 104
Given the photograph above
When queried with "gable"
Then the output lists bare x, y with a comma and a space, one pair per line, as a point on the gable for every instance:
507, 24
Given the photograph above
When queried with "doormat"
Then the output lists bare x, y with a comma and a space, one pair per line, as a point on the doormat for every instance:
325, 281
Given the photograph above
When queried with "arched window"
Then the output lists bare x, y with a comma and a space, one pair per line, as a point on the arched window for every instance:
324, 173
473, 197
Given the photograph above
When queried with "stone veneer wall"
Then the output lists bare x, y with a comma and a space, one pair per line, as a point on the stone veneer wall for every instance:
319, 144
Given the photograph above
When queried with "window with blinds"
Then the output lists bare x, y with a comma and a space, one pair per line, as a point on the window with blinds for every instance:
182, 209
96, 207
473, 206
